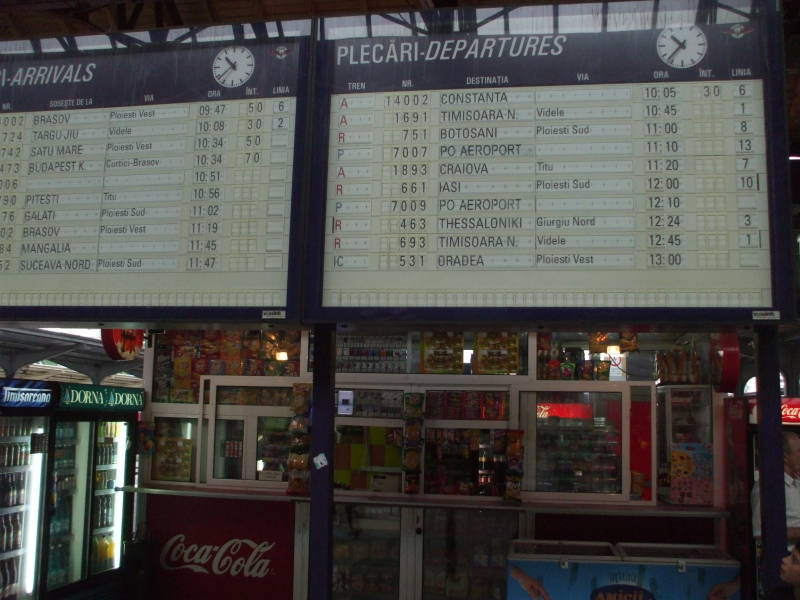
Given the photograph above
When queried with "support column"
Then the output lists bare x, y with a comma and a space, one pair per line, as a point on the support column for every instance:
320, 542
770, 457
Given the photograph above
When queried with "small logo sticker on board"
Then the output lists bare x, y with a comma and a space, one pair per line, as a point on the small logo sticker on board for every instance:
273, 314
766, 315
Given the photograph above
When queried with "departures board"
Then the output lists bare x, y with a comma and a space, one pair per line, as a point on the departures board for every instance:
558, 171
159, 181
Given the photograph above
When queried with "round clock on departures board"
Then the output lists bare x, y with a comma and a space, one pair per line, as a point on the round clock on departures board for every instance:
233, 66
682, 47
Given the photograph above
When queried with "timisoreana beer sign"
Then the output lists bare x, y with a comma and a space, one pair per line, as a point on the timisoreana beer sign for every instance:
77, 396
20, 393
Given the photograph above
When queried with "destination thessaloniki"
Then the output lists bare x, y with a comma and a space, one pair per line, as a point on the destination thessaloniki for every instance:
463, 49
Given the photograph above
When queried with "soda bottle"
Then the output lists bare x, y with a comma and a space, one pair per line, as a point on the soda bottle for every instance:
12, 577
110, 553
102, 552
21, 489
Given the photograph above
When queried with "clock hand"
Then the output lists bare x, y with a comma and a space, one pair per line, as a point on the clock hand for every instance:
674, 52
681, 44
231, 63
225, 72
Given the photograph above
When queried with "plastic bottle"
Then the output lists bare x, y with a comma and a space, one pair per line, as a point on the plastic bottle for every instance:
110, 553
96, 552
102, 553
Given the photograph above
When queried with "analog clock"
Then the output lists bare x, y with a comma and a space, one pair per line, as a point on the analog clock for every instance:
682, 47
233, 66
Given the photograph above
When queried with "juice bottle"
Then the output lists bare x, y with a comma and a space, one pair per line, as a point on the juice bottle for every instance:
110, 553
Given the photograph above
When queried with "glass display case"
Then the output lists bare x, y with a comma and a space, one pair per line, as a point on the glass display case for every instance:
578, 442
366, 552
590, 441
249, 426
464, 553
175, 449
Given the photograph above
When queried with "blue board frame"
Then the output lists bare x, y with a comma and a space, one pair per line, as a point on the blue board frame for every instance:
183, 73
766, 57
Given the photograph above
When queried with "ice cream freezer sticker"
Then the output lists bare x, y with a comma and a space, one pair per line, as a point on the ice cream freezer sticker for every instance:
568, 580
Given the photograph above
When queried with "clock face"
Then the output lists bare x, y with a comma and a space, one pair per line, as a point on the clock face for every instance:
682, 47
233, 66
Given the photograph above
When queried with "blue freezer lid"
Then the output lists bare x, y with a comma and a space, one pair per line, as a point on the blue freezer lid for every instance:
671, 553
23, 393
562, 550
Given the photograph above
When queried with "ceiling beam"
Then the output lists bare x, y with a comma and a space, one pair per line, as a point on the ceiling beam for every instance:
12, 361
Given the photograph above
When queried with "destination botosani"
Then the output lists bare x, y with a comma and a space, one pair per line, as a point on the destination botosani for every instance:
464, 49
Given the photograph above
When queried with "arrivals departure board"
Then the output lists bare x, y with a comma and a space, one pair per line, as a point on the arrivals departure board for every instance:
572, 170
149, 180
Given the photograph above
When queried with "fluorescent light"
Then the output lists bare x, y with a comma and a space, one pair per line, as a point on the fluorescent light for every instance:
281, 356
794, 157
119, 498
612, 350
32, 517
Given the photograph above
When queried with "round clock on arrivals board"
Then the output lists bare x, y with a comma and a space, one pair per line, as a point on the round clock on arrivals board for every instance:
682, 47
233, 66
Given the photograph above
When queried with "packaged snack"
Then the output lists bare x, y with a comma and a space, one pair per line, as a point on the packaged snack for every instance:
413, 430
602, 369
628, 341
598, 342
442, 352
411, 484
553, 369
301, 399
587, 370
413, 405
567, 370
251, 344
209, 346
230, 345
472, 405
455, 404
412, 457
434, 404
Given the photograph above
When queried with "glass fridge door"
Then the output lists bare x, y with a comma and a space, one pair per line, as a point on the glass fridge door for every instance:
68, 492
20, 502
109, 471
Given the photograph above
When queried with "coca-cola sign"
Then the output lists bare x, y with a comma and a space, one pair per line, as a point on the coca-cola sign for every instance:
790, 410
219, 560
205, 544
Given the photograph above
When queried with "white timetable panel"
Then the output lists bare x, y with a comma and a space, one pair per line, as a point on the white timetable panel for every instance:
178, 204
648, 193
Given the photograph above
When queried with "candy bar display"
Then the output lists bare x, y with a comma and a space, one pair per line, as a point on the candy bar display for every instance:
366, 552
495, 353
467, 462
254, 396
183, 356
376, 403
413, 424
298, 462
465, 554
466, 405
442, 352
578, 438
174, 453
273, 439
372, 354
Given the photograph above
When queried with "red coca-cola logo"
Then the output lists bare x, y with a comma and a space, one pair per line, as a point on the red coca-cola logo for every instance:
237, 557
790, 413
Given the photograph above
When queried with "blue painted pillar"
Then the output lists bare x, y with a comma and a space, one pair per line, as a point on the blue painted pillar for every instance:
320, 543
770, 457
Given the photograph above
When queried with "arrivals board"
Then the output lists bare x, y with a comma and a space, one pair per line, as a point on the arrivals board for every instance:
555, 171
159, 181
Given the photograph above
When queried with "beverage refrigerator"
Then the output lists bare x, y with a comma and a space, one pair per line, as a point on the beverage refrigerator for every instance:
24, 427
86, 516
